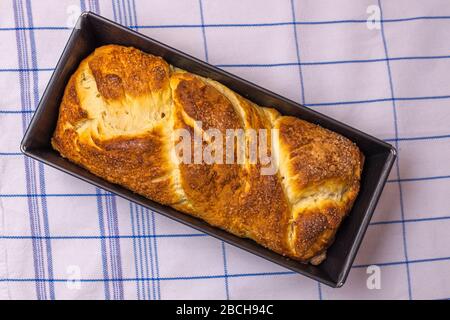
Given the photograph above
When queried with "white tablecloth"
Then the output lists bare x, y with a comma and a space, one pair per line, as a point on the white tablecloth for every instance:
62, 238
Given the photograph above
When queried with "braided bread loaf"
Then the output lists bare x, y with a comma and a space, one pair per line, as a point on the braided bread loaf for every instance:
117, 118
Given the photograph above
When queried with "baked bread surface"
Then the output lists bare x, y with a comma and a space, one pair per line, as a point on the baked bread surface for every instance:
117, 118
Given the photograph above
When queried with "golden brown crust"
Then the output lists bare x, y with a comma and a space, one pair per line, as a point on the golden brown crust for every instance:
117, 118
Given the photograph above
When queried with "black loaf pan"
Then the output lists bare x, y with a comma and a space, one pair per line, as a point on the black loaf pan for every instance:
93, 31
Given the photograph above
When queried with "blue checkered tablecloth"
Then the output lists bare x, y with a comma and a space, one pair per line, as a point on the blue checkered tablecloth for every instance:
379, 65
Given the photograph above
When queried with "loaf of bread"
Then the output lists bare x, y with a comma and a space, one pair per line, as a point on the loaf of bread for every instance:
118, 117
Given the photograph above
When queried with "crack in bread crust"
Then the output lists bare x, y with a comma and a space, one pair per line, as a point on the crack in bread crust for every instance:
117, 119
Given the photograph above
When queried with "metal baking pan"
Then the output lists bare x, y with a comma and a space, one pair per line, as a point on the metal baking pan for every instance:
93, 31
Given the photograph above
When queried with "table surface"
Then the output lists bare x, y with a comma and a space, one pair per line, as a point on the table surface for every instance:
380, 66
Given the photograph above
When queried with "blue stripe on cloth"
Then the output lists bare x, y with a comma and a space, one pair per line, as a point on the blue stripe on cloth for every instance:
410, 220
243, 25
202, 19
37, 195
143, 255
435, 137
113, 3
136, 265
288, 23
35, 210
395, 263
397, 162
155, 246
116, 240
46, 229
110, 245
130, 17
331, 62
297, 49
26, 70
148, 242
121, 19
103, 242
40, 165
29, 165
225, 271
335, 103
134, 12
22, 112
419, 179
34, 28
220, 276
89, 237
114, 244
202, 277
95, 6
139, 254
